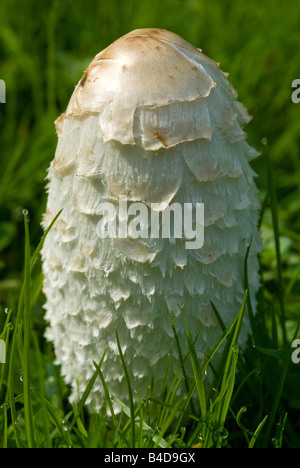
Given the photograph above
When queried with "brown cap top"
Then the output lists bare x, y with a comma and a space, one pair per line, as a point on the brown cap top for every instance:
145, 69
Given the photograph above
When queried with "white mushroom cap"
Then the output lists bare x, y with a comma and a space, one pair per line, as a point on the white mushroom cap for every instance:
144, 70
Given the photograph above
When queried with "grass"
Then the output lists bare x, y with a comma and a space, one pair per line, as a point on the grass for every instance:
42, 56
31, 419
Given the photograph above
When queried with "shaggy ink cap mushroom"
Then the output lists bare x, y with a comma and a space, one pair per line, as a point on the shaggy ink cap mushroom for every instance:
155, 121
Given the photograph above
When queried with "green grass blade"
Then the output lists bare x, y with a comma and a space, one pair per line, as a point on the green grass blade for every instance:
219, 318
180, 353
279, 388
274, 212
220, 342
129, 389
41, 378
90, 385
107, 394
257, 432
5, 337
196, 370
235, 336
167, 422
4, 440
36, 253
26, 284
146, 428
279, 433
161, 410
246, 287
29, 427
54, 413
228, 387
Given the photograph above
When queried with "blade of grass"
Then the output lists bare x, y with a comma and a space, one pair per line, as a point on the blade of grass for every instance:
10, 382
274, 212
221, 340
219, 318
167, 403
107, 395
140, 415
257, 432
37, 288
79, 423
274, 328
54, 413
246, 287
146, 428
279, 388
167, 422
96, 432
236, 333
196, 370
77, 410
29, 427
244, 429
129, 389
5, 337
41, 377
186, 382
4, 442
160, 411
227, 391
35, 256
222, 403
241, 385
279, 433
90, 385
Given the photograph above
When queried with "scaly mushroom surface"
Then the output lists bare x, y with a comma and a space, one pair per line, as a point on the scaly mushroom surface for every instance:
152, 121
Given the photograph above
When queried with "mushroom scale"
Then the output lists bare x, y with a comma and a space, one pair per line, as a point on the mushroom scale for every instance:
152, 121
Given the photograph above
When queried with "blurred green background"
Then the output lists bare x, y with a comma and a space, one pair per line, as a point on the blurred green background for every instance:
45, 47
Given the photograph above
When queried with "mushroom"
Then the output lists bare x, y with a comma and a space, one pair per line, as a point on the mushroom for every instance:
153, 122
